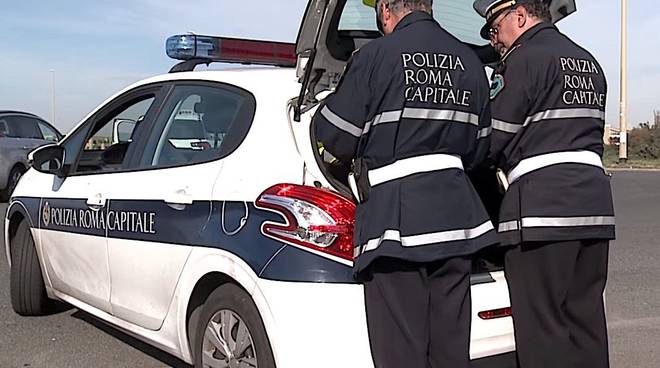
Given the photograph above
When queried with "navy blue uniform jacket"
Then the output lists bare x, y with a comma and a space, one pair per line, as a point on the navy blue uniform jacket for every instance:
414, 105
548, 107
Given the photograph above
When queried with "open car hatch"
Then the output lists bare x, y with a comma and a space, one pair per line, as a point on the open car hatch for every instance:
331, 30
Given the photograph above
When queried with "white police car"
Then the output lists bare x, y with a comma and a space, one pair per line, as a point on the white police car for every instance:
215, 231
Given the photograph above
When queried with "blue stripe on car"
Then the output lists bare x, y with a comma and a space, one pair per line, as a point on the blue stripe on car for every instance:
199, 224
28, 207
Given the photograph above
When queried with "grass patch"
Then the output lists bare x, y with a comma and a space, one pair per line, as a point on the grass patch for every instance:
611, 160
634, 164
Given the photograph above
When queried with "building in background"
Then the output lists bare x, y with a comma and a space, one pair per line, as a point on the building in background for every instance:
611, 135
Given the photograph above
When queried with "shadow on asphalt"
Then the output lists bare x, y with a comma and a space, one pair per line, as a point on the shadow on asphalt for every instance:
57, 307
153, 352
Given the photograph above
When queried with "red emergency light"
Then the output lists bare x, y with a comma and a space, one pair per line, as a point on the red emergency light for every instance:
207, 49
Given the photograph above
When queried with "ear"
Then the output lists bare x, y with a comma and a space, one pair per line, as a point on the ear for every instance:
521, 15
385, 10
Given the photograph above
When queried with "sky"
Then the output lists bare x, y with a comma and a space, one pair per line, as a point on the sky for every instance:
92, 49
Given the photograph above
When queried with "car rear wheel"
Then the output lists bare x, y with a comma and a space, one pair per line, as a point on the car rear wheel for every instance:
28, 292
230, 332
14, 176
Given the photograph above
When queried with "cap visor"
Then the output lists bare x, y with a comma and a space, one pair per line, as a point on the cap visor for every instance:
484, 32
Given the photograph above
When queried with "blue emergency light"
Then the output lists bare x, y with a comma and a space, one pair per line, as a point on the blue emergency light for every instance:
195, 49
191, 46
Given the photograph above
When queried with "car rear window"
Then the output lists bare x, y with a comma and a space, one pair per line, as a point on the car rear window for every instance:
199, 123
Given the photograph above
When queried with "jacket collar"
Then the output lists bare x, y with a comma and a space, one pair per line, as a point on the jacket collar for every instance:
530, 33
414, 17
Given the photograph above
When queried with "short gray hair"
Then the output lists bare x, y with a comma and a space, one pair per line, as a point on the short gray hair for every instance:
398, 6
538, 9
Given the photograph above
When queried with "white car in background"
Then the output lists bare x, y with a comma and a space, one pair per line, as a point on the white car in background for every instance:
230, 246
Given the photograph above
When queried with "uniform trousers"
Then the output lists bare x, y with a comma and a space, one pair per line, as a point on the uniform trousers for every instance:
418, 314
557, 303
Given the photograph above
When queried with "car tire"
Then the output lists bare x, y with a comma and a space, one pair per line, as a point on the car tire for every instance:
14, 176
27, 289
230, 330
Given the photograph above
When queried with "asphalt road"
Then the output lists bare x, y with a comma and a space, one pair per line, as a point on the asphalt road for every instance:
75, 339
633, 290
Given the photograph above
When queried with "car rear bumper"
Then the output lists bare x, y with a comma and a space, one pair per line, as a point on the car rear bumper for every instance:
315, 324
495, 336
506, 360
326, 324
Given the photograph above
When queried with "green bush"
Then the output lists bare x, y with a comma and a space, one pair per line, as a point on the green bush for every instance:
611, 154
644, 142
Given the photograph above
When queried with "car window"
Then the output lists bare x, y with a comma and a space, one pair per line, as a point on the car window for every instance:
199, 123
4, 128
23, 127
48, 133
124, 130
456, 16
101, 151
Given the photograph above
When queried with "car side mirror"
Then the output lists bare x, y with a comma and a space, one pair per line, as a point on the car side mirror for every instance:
48, 159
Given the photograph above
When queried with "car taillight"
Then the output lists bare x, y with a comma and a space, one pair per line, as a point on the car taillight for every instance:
495, 313
317, 219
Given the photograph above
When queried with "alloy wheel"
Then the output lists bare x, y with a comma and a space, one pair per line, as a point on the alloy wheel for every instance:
228, 342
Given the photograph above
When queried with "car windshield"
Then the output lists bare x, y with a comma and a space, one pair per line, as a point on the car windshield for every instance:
456, 16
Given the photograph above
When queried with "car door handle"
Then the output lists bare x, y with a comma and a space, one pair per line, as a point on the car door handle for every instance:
179, 197
96, 202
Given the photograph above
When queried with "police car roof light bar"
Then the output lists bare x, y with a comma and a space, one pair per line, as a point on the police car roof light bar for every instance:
195, 49
316, 219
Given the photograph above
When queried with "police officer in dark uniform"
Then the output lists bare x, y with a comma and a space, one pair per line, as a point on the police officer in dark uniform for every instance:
411, 113
548, 106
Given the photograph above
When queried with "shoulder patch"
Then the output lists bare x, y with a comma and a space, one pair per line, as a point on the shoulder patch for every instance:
497, 85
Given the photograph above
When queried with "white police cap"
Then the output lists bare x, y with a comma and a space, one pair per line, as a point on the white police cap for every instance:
490, 9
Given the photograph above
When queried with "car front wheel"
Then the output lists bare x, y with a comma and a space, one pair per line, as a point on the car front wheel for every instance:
231, 333
28, 293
